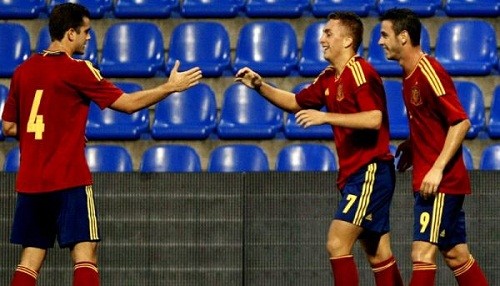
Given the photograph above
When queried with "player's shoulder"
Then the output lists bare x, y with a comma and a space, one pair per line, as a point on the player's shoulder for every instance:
434, 73
361, 70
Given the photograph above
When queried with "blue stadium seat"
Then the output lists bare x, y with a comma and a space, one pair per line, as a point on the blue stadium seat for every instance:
423, 8
238, 158
109, 124
462, 57
12, 160
144, 8
97, 8
90, 54
472, 8
108, 158
132, 49
211, 8
202, 44
398, 120
245, 114
268, 47
490, 158
376, 54
190, 114
321, 8
15, 47
468, 160
294, 131
4, 92
471, 97
170, 158
494, 121
305, 157
276, 8
21, 9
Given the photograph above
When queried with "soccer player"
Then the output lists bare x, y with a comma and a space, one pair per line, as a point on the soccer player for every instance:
438, 125
47, 111
355, 99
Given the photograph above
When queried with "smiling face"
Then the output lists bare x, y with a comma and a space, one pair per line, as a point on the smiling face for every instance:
389, 41
333, 40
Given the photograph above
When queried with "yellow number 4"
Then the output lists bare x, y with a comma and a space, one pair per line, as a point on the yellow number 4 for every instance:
35, 122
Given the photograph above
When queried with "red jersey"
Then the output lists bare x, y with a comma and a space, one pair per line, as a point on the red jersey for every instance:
49, 100
433, 106
359, 88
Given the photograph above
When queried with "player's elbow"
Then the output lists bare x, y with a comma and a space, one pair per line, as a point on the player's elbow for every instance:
374, 120
9, 128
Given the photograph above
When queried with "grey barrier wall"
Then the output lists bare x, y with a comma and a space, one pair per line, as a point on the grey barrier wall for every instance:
238, 229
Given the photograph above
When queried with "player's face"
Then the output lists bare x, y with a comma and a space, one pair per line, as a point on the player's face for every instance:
389, 41
82, 37
332, 39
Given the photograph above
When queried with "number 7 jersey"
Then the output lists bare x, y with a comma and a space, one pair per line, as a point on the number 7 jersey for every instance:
49, 101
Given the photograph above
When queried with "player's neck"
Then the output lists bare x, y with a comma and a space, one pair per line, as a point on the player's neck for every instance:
57, 46
410, 62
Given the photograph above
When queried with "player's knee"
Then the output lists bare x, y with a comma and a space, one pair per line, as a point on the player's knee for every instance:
456, 256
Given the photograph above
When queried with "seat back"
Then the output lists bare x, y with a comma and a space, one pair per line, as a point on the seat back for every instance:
170, 158
276, 8
471, 97
97, 8
15, 47
190, 114
472, 8
490, 158
12, 160
312, 61
238, 158
202, 44
21, 9
306, 157
132, 49
423, 8
108, 158
246, 114
321, 8
461, 56
141, 9
467, 156
211, 8
494, 120
4, 92
268, 47
398, 119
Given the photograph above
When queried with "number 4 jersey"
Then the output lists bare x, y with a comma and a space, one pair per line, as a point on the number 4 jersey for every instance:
49, 101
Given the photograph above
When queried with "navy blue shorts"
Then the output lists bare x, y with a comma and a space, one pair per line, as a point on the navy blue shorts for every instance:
68, 215
367, 196
439, 220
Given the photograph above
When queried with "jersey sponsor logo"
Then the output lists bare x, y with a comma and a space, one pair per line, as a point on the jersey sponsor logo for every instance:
340, 92
415, 99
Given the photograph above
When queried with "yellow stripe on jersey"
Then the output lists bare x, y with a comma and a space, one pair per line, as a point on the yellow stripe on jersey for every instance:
95, 71
431, 76
94, 234
437, 214
366, 193
357, 71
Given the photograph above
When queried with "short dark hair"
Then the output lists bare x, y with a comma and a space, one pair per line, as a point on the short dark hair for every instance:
64, 17
404, 20
353, 24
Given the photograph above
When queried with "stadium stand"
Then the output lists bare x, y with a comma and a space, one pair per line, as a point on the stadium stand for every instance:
97, 8
211, 8
22, 9
15, 47
238, 158
305, 157
142, 9
108, 158
170, 158
275, 8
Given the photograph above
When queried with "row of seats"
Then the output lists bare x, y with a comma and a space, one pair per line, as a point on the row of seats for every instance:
251, 8
244, 114
136, 49
230, 158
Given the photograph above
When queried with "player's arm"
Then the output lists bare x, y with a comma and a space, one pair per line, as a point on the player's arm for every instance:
177, 81
9, 128
361, 120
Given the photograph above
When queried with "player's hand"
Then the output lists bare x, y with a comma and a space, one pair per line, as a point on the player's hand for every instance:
249, 78
430, 183
184, 80
405, 156
310, 117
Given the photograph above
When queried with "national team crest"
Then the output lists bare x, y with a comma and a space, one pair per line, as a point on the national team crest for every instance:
340, 92
416, 99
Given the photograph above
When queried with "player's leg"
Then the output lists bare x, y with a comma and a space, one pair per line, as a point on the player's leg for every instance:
423, 256
383, 263
85, 272
26, 272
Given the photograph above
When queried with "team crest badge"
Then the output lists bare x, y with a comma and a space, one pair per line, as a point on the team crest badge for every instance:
340, 93
416, 99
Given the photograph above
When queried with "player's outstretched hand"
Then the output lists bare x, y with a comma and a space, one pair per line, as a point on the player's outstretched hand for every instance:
249, 78
405, 156
184, 80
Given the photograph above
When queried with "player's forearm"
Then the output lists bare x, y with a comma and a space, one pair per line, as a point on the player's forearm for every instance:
361, 120
9, 128
454, 139
281, 98
130, 103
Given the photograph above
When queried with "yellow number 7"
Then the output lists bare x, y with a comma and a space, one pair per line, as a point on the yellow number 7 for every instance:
35, 122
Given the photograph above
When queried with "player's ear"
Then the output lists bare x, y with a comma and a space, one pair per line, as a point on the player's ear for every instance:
347, 42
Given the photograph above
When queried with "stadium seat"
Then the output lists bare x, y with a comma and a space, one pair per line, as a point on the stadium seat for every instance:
276, 8
268, 47
97, 8
294, 131
471, 97
462, 57
15, 47
238, 158
170, 158
132, 49
90, 54
211, 8
423, 8
321, 8
305, 157
494, 121
376, 55
245, 114
12, 160
109, 124
490, 158
108, 158
4, 92
398, 119
144, 8
190, 114
468, 160
472, 8
202, 44
21, 9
